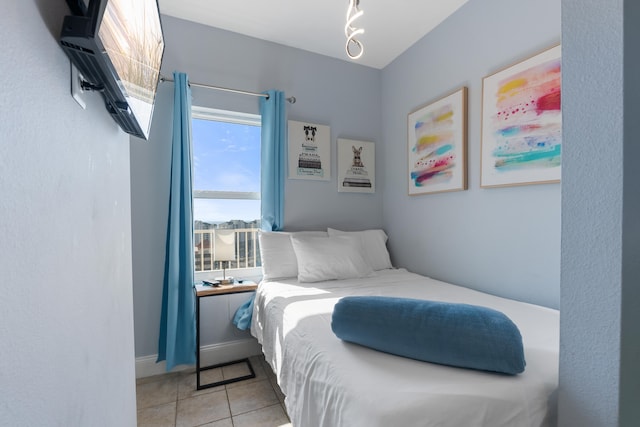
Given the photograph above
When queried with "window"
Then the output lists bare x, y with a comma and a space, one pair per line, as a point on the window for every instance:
226, 192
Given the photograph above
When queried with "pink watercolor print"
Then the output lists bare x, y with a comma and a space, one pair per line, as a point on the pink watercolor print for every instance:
527, 121
434, 146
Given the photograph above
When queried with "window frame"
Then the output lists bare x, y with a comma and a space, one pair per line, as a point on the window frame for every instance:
212, 114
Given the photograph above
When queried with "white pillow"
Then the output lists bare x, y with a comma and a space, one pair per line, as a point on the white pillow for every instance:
278, 259
374, 245
329, 258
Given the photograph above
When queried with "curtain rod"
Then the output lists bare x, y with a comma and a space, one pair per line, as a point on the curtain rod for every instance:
291, 99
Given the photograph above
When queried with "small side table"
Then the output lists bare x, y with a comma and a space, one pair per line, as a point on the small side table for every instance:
209, 291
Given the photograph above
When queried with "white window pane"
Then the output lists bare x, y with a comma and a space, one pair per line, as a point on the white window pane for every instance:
215, 211
244, 254
243, 216
226, 156
226, 183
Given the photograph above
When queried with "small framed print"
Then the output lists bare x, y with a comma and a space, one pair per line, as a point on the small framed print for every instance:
437, 145
356, 166
309, 151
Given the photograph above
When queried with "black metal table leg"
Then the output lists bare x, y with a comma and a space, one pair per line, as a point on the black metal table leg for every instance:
199, 369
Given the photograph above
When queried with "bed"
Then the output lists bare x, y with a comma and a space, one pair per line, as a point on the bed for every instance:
330, 382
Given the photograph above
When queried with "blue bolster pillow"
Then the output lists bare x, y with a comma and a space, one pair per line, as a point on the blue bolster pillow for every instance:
462, 335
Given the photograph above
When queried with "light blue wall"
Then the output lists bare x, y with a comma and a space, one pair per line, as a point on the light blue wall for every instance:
504, 241
329, 91
66, 311
70, 167
600, 299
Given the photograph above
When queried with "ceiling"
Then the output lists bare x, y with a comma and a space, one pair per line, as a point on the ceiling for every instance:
390, 26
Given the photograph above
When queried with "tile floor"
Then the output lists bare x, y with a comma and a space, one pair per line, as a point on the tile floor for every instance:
172, 400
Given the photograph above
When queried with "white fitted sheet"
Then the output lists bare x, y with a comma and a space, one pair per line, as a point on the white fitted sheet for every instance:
331, 383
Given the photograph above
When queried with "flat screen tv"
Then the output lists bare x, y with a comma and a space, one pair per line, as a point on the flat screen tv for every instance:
117, 46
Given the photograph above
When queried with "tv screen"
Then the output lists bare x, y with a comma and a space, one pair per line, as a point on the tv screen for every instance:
117, 45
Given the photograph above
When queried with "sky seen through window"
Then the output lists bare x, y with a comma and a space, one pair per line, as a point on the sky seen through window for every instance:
226, 157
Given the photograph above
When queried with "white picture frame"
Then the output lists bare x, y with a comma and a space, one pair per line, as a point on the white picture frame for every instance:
522, 123
356, 166
437, 145
309, 151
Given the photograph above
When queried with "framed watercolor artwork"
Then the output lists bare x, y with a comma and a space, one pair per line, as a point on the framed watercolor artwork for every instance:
522, 123
356, 166
309, 151
437, 145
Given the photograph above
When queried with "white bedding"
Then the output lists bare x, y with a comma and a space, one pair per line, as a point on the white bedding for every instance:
331, 383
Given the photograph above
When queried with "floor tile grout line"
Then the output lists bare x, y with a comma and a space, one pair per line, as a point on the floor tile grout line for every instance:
226, 391
259, 409
175, 418
256, 409
270, 378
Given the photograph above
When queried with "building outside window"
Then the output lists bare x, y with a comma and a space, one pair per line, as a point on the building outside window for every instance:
226, 192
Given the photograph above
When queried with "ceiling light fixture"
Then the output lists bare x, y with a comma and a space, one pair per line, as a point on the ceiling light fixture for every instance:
353, 45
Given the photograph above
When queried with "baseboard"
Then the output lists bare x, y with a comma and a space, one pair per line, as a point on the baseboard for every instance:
146, 366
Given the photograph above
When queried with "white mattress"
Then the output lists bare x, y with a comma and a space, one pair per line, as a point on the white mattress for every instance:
328, 382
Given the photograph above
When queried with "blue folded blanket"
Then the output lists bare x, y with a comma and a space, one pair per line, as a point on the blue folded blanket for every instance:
462, 335
242, 317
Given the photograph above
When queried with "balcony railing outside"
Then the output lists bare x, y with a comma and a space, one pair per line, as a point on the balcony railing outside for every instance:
247, 250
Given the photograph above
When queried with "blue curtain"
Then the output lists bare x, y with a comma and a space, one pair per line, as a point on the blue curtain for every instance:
273, 167
273, 161
177, 343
